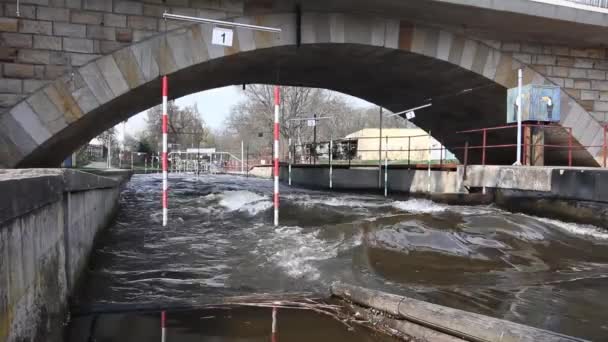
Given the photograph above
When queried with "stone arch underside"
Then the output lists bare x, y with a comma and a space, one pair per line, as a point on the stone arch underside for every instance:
394, 64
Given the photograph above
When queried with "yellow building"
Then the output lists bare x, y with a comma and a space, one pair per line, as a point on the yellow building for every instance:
396, 142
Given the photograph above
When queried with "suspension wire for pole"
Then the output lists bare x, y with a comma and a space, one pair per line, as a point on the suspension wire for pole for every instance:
167, 15
431, 100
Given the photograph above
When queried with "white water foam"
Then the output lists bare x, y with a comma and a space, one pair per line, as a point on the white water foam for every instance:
298, 252
420, 206
577, 229
244, 201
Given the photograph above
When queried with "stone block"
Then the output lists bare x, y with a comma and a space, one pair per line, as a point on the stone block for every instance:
115, 20
142, 23
17, 40
30, 122
47, 42
47, 112
9, 100
85, 99
235, 6
559, 71
35, 26
34, 56
583, 63
577, 73
86, 17
596, 74
8, 54
101, 32
60, 96
568, 83
78, 45
599, 85
15, 132
558, 81
604, 95
531, 49
600, 106
18, 70
52, 72
565, 61
25, 11
76, 4
96, 83
124, 35
588, 105
545, 60
98, 5
523, 58
80, 59
582, 84
589, 53
10, 85
9, 25
107, 46
561, 50
144, 55
128, 7
129, 67
113, 76
70, 30
153, 10
30, 86
590, 95
139, 35
53, 14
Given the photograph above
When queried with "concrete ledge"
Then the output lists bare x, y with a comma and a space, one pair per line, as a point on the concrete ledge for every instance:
28, 189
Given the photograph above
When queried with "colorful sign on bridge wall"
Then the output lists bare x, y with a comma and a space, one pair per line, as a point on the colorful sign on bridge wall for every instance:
539, 103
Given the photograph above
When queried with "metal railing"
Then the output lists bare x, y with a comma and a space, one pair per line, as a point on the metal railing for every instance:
527, 145
594, 3
373, 151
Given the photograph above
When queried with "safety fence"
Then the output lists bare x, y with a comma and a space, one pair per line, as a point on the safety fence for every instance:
369, 151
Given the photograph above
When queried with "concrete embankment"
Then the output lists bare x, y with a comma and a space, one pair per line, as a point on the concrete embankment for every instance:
571, 194
48, 222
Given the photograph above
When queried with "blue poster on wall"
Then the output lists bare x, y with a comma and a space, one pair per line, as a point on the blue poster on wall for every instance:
539, 103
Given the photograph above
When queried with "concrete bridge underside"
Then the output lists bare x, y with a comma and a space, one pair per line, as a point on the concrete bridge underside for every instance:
392, 63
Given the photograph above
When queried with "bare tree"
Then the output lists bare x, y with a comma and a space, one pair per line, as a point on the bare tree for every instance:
186, 126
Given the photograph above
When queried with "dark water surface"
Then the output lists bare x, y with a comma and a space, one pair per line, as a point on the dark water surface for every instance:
221, 242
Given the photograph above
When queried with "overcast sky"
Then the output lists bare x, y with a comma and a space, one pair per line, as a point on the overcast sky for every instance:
214, 105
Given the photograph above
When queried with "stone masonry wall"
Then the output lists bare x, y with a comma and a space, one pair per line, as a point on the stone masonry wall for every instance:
50, 37
581, 72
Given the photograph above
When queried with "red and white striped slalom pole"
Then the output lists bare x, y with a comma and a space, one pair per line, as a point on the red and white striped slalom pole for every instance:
163, 326
277, 101
164, 156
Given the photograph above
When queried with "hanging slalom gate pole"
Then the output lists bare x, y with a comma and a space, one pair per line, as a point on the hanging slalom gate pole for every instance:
519, 113
277, 101
242, 156
163, 328
331, 165
429, 167
290, 158
165, 199
386, 168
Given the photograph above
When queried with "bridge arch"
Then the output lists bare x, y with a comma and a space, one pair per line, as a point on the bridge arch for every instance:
389, 62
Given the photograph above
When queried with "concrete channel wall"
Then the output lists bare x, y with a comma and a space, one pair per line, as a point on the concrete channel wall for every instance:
48, 222
366, 179
570, 194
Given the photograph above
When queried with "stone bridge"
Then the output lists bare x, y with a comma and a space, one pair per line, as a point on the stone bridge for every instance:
73, 68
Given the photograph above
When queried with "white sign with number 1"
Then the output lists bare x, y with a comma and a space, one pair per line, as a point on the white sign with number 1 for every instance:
222, 36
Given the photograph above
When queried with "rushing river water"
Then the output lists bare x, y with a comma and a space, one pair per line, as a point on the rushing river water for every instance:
221, 242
